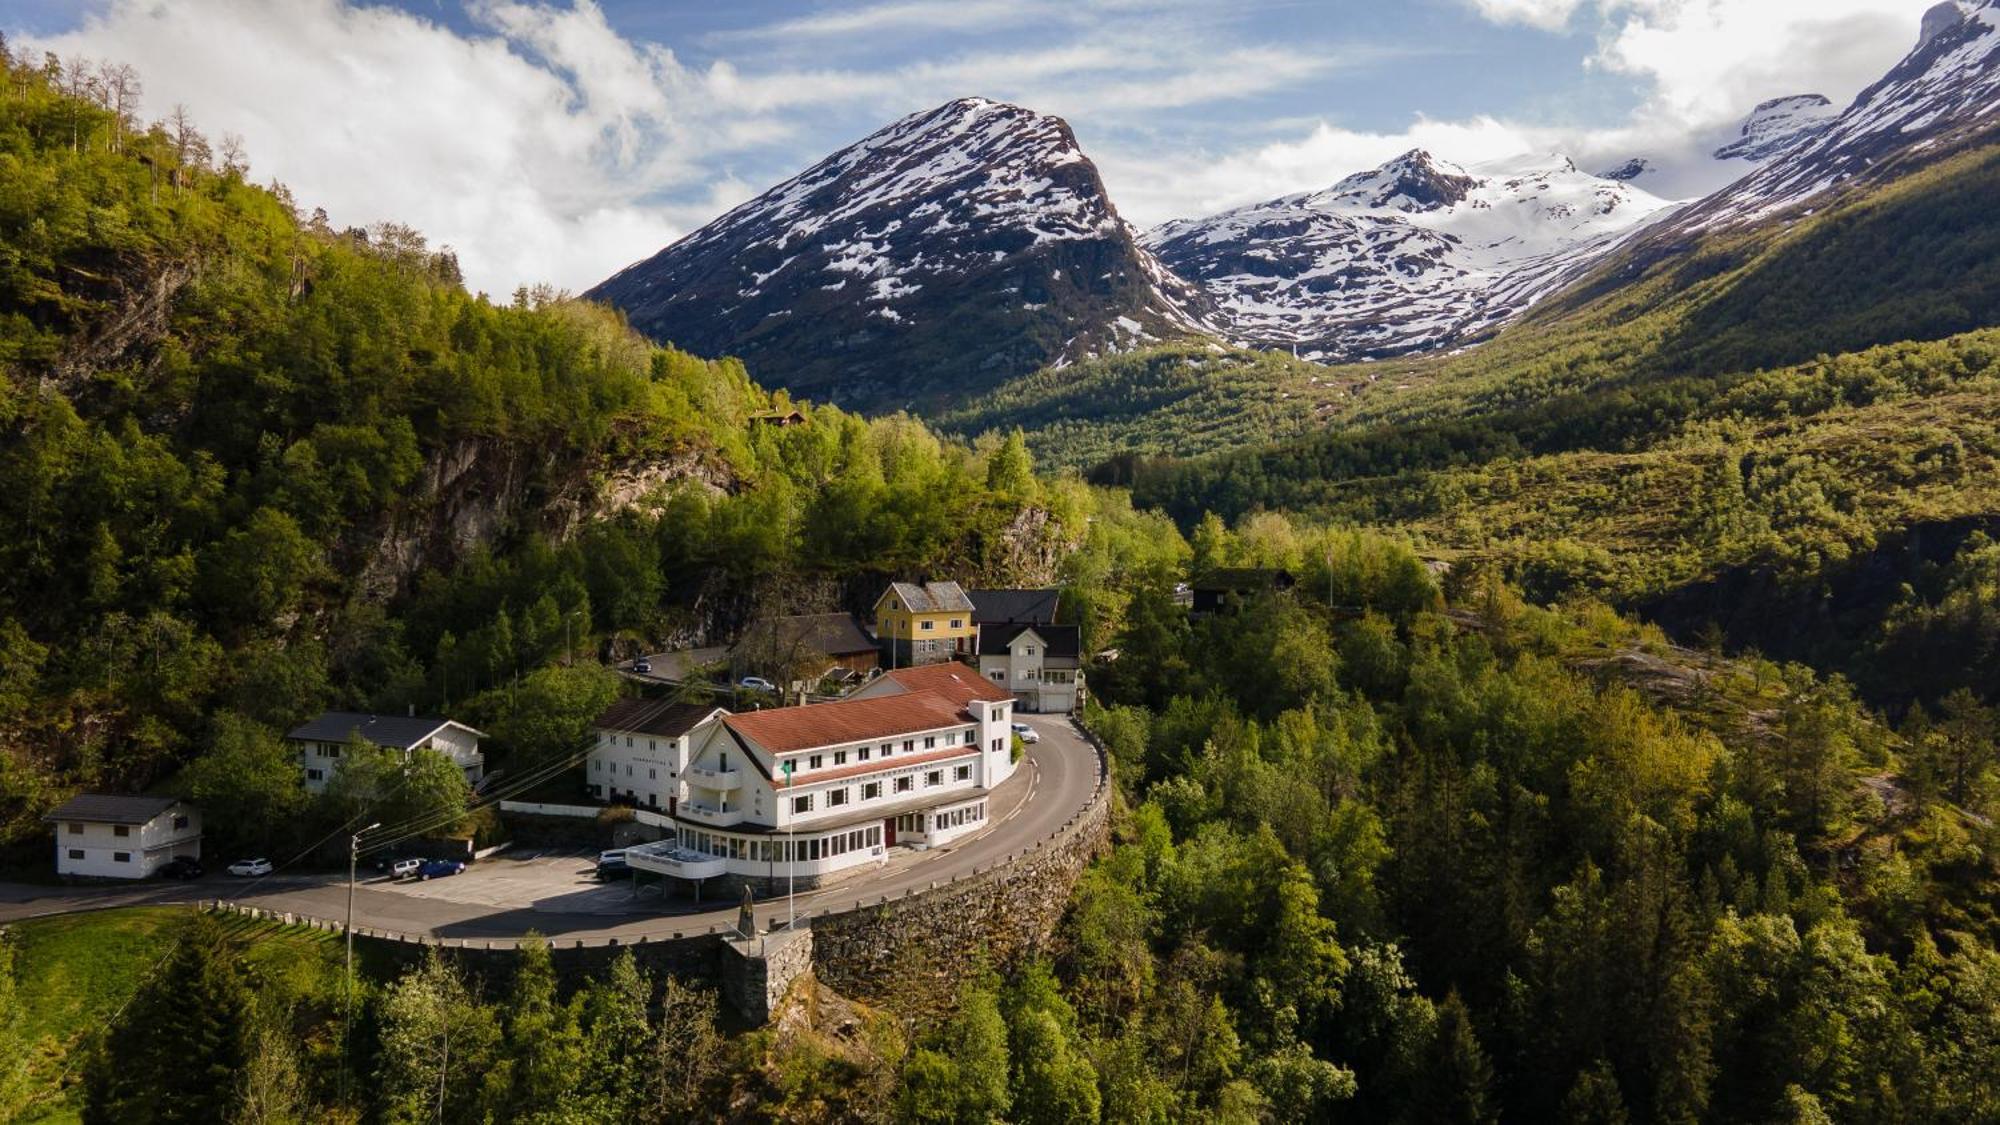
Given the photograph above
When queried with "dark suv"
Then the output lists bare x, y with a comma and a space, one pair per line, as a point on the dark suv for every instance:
182, 867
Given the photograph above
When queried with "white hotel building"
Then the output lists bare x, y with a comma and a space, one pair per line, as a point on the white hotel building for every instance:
805, 792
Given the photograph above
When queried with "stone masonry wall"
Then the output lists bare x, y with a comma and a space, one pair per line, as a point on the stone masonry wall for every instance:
910, 954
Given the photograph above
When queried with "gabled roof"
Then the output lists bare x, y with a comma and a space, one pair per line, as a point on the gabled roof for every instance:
829, 634
1008, 607
663, 717
931, 597
1243, 579
956, 682
110, 808
784, 729
398, 732
1058, 640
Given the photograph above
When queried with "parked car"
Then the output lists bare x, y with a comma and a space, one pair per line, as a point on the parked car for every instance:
404, 868
608, 869
756, 683
182, 867
386, 861
1026, 733
614, 855
250, 867
642, 666
438, 868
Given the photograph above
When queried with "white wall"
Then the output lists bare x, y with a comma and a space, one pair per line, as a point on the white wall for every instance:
649, 768
148, 847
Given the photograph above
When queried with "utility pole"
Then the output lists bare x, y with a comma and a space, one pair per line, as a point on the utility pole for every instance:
347, 998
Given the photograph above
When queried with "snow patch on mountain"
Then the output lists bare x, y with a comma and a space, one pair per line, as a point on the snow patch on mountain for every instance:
1417, 254
1777, 125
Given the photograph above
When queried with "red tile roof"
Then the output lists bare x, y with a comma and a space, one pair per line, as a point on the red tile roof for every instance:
954, 681
784, 729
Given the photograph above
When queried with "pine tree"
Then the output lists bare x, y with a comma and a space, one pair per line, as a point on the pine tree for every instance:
174, 1055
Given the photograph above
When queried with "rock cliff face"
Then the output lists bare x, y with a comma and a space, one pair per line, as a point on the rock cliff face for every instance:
932, 259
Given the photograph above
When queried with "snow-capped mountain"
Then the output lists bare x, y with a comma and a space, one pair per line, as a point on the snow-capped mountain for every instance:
1416, 254
1944, 91
946, 252
1777, 125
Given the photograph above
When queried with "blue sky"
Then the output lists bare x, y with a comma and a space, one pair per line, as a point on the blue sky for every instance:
560, 139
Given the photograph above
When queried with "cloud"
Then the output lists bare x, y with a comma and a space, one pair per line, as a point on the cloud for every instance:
902, 16
1549, 15
538, 148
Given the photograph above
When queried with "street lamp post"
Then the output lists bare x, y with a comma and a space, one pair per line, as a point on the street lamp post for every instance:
347, 998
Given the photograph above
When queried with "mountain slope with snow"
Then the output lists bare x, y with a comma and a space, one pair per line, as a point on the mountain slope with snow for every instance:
1942, 94
1416, 254
939, 255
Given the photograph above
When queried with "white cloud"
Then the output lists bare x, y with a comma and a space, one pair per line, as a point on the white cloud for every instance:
535, 150
1549, 15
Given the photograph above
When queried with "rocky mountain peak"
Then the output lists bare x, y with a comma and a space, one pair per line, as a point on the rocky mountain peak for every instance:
1777, 125
939, 254
1414, 181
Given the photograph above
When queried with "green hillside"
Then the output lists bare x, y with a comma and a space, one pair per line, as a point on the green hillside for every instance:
1782, 403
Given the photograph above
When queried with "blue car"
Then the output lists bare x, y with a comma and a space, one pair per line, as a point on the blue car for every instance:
439, 868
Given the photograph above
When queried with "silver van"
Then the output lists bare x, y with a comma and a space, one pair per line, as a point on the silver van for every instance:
404, 868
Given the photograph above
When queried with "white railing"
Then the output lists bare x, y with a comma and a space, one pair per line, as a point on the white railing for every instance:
535, 808
711, 814
714, 779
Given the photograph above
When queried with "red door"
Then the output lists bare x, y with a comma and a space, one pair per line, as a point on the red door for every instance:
889, 832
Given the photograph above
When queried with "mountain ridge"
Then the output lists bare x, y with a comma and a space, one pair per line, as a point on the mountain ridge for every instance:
946, 251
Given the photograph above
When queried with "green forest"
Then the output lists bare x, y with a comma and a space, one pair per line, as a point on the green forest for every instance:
1444, 833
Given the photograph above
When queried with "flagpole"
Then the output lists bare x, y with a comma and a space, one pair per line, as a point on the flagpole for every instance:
791, 853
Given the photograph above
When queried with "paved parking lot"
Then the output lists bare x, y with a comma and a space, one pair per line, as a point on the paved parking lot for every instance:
556, 881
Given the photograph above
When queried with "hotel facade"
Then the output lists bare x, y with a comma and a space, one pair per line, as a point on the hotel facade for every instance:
802, 793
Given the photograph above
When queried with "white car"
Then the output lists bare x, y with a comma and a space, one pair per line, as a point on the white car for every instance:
250, 867
404, 868
1026, 733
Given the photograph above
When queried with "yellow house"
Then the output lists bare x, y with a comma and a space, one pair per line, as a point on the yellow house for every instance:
923, 624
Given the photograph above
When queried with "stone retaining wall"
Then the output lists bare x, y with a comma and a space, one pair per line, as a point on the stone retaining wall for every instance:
909, 954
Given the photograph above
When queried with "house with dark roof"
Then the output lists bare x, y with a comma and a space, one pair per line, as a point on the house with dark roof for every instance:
321, 742
1014, 607
108, 836
1040, 664
1223, 588
805, 647
640, 749
809, 792
923, 623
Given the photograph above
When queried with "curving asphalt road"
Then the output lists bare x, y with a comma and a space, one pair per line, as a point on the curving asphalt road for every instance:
1055, 783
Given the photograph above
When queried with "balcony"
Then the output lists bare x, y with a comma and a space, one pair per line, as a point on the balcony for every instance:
720, 816
722, 780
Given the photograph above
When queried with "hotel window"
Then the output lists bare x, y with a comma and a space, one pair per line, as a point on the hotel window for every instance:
934, 777
871, 790
180, 822
836, 797
886, 748
928, 626
930, 740
628, 742
652, 744
840, 757
76, 853
652, 774
597, 764
864, 752
812, 763
1030, 650
996, 746
802, 804
903, 784
998, 677
75, 829
121, 857
971, 737
962, 773
957, 623
315, 775
121, 830
909, 745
